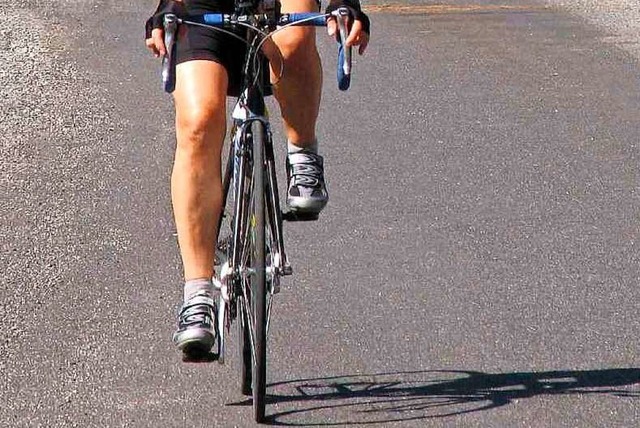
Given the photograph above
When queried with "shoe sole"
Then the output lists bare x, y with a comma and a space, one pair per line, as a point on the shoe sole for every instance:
195, 341
306, 205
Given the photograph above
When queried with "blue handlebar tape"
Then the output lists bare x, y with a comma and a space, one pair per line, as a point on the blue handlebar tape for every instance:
212, 18
319, 21
344, 80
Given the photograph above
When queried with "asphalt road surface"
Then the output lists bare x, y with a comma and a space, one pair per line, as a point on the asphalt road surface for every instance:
477, 266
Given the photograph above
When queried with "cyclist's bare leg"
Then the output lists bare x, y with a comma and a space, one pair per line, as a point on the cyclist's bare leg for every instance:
196, 187
298, 91
298, 88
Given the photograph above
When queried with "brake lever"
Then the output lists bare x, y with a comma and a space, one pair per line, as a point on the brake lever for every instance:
168, 61
342, 16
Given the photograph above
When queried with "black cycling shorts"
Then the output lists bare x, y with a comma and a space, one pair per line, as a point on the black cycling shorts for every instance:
198, 43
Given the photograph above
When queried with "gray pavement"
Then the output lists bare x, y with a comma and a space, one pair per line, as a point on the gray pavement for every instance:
477, 265
618, 20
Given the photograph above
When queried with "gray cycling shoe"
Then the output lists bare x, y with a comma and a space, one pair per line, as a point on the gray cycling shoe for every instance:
197, 325
307, 192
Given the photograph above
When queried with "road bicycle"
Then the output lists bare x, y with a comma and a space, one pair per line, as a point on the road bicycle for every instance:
250, 251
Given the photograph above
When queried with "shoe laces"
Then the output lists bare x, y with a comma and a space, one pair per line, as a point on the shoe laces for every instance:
305, 169
197, 309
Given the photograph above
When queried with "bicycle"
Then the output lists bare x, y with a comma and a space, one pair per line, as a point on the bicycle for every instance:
250, 254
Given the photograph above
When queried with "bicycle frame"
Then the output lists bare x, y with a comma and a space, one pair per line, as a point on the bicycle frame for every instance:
236, 177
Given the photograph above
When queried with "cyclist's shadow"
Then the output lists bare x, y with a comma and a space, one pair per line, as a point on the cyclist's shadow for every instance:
403, 396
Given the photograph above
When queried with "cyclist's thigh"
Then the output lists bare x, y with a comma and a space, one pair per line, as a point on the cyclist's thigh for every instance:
200, 94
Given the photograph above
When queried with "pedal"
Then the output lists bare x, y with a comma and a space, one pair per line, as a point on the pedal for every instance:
299, 216
287, 269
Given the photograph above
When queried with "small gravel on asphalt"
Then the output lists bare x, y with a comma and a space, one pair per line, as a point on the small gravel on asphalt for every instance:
619, 19
49, 116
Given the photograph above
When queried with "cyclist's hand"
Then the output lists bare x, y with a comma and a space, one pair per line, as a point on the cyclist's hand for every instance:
359, 30
154, 30
156, 42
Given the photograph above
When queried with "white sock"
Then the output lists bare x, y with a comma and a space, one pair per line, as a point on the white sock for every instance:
196, 286
292, 148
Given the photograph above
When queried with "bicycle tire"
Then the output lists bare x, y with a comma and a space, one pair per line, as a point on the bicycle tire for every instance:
237, 194
224, 253
258, 279
241, 234
244, 352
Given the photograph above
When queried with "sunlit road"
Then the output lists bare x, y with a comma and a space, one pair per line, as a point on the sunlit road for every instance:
477, 266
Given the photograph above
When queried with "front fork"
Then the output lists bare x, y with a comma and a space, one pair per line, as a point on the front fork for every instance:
231, 271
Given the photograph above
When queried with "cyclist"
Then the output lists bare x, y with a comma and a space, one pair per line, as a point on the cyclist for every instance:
208, 69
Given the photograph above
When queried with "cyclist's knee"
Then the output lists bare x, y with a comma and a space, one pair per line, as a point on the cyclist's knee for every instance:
299, 44
200, 103
200, 131
300, 5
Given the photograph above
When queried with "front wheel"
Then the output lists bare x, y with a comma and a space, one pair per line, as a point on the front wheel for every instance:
258, 276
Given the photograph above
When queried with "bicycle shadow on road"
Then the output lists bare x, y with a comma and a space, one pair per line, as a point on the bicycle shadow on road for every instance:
405, 396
